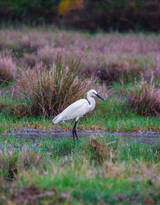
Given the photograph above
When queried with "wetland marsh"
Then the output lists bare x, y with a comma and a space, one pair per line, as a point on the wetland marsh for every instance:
117, 158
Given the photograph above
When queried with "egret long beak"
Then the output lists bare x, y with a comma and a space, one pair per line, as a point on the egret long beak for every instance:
99, 97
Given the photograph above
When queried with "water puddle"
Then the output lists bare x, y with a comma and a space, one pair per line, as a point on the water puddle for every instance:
149, 137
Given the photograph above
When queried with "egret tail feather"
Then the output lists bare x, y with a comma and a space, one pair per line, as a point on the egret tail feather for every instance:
57, 119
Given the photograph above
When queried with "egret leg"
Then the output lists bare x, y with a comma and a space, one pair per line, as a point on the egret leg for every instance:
74, 132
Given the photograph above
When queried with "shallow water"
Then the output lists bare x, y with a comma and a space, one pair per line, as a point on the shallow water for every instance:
149, 137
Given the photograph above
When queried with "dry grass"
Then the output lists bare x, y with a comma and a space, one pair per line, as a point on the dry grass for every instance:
103, 51
50, 91
145, 99
7, 68
125, 69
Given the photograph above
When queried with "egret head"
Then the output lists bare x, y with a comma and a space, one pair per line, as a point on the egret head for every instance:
93, 93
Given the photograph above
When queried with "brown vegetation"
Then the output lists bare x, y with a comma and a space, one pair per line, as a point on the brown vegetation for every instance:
48, 92
7, 69
145, 99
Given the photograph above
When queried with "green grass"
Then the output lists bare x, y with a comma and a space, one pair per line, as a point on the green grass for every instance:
43, 170
39, 170
111, 115
114, 116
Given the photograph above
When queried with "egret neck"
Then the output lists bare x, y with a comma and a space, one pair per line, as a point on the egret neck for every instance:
91, 102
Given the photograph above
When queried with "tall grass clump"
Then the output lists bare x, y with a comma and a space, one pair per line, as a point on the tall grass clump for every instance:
48, 92
145, 99
7, 69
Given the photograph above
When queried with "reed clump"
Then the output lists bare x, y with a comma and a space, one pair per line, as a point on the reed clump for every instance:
49, 91
145, 99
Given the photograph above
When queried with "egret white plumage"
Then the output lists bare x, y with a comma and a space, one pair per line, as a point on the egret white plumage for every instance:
77, 110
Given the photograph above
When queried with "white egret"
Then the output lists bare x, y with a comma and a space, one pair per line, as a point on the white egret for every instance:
77, 110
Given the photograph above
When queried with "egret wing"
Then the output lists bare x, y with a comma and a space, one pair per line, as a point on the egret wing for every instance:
76, 109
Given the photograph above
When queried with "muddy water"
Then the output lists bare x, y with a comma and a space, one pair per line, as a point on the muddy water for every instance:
149, 137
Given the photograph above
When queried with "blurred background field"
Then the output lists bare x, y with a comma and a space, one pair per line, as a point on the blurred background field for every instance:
85, 14
51, 53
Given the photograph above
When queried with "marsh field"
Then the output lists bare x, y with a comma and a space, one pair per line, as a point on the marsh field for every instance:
42, 71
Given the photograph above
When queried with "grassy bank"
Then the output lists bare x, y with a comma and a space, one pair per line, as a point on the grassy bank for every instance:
92, 171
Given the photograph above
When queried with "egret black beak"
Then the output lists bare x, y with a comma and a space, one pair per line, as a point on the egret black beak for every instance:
99, 97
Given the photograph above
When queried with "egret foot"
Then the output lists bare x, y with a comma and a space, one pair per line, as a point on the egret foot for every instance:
75, 136
74, 132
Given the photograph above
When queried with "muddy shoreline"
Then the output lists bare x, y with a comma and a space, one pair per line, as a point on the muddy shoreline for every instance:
148, 137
